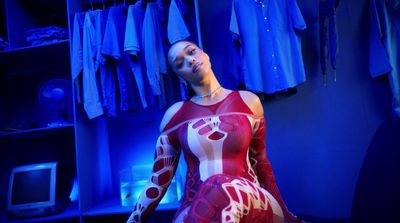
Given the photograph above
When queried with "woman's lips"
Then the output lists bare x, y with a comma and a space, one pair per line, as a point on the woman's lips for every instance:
196, 67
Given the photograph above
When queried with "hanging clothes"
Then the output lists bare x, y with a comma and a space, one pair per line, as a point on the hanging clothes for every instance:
126, 66
181, 22
107, 74
177, 29
133, 46
77, 55
113, 50
385, 45
328, 35
153, 36
235, 63
153, 46
91, 95
95, 29
271, 44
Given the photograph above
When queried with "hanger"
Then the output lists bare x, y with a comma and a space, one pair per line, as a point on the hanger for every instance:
144, 2
94, 4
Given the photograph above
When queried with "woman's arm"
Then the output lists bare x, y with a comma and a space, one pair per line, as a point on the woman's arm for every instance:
166, 157
263, 169
258, 156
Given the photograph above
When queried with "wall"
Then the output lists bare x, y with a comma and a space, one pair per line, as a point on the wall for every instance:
318, 136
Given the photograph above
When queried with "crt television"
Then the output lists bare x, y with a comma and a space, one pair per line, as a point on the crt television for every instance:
32, 190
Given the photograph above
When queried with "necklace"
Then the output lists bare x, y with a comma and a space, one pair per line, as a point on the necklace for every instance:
209, 94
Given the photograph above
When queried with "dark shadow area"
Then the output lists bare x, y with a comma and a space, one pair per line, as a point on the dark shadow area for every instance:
377, 194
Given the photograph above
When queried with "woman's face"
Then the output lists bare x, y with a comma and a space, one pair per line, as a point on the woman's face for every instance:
189, 62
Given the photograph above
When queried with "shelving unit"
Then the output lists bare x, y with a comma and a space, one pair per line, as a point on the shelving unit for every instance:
28, 130
24, 71
94, 150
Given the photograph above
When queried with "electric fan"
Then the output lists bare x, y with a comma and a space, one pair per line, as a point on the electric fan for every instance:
55, 96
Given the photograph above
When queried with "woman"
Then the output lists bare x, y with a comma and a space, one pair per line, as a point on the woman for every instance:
222, 135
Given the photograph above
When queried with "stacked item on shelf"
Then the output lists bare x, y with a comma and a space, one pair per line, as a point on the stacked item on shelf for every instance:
3, 44
45, 35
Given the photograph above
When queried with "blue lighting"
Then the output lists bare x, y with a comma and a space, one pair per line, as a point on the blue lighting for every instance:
132, 183
74, 192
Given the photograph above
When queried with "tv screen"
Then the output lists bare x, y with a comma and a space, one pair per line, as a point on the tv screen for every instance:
37, 180
32, 190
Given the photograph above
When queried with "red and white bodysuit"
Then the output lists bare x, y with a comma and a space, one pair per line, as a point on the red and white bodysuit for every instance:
229, 178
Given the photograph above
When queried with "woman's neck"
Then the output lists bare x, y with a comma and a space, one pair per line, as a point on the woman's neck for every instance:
208, 89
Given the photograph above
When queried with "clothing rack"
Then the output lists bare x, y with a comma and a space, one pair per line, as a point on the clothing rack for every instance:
103, 4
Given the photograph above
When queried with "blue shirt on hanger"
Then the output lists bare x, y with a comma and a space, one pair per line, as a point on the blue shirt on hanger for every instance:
154, 52
385, 45
107, 78
268, 31
181, 22
77, 55
133, 46
177, 29
91, 95
113, 50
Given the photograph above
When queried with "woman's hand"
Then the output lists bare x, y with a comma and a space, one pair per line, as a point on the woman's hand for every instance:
291, 218
166, 159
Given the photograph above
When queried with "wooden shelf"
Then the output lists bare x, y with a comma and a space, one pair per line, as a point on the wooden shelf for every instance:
114, 207
70, 212
19, 49
34, 131
36, 59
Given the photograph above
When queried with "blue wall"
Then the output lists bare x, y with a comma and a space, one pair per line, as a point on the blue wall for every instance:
318, 137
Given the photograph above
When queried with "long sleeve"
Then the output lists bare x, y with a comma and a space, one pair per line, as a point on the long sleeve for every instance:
166, 159
263, 168
379, 62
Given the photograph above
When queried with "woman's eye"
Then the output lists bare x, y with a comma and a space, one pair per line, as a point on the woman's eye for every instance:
179, 65
192, 51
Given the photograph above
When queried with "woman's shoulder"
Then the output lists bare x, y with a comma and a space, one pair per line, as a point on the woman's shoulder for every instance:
169, 114
253, 102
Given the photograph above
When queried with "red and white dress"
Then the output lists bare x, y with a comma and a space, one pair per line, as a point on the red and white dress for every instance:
229, 178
